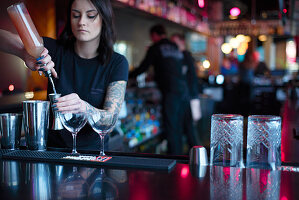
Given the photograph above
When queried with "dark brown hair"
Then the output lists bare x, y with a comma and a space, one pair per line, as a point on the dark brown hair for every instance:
107, 39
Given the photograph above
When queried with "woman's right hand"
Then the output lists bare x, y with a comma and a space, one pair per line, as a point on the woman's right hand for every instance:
43, 63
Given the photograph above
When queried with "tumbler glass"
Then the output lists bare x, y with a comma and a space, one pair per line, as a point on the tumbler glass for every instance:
227, 140
264, 141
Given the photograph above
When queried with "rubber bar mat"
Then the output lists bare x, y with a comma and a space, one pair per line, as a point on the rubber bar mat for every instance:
4, 151
115, 161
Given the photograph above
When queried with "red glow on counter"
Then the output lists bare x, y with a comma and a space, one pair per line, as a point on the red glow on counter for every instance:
184, 172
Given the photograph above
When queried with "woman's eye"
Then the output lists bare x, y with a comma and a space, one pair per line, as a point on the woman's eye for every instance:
92, 16
76, 16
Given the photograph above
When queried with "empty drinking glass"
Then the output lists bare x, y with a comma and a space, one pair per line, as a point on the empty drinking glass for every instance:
10, 130
73, 122
102, 126
227, 140
264, 141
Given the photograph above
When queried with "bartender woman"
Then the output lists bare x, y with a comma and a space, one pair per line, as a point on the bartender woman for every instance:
92, 77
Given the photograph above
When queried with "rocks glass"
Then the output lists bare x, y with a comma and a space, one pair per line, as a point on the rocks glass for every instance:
227, 140
264, 141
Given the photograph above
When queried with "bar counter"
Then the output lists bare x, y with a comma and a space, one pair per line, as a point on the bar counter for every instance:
46, 180
41, 179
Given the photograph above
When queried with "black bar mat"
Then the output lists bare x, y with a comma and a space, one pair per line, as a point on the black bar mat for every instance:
4, 151
178, 158
115, 161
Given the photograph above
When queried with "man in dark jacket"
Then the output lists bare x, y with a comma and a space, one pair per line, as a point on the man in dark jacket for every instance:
171, 78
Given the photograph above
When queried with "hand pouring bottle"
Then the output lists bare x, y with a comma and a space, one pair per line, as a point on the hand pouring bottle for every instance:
33, 43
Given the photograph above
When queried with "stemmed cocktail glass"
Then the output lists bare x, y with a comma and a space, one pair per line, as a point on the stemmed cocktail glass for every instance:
73, 122
102, 125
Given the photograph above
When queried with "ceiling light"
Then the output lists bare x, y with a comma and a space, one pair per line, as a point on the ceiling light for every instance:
262, 38
226, 48
235, 11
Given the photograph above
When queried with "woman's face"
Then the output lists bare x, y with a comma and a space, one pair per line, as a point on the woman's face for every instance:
85, 21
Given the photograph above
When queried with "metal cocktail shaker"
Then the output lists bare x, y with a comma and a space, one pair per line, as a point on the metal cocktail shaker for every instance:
57, 125
10, 129
36, 124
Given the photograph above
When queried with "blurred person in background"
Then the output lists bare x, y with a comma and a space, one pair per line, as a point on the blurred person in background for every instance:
230, 89
228, 68
261, 69
190, 73
233, 58
189, 64
246, 76
171, 78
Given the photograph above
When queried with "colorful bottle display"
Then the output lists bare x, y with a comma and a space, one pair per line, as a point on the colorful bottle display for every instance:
141, 123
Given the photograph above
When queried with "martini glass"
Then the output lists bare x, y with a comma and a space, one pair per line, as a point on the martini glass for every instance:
102, 126
73, 122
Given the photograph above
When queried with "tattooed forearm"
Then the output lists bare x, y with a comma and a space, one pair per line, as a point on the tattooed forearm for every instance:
115, 96
113, 101
90, 109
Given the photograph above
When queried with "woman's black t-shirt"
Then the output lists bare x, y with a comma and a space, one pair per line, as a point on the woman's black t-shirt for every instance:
87, 78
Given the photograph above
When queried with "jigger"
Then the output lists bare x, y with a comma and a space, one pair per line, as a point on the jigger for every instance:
198, 156
198, 161
56, 125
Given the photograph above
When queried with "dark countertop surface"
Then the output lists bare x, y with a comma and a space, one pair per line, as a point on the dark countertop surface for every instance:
36, 180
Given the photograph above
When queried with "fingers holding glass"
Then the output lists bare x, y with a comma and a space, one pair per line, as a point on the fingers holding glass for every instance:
72, 119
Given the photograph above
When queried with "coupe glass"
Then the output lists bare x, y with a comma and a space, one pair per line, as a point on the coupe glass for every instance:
73, 122
102, 126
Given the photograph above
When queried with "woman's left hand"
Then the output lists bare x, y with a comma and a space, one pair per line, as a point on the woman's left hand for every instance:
70, 103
